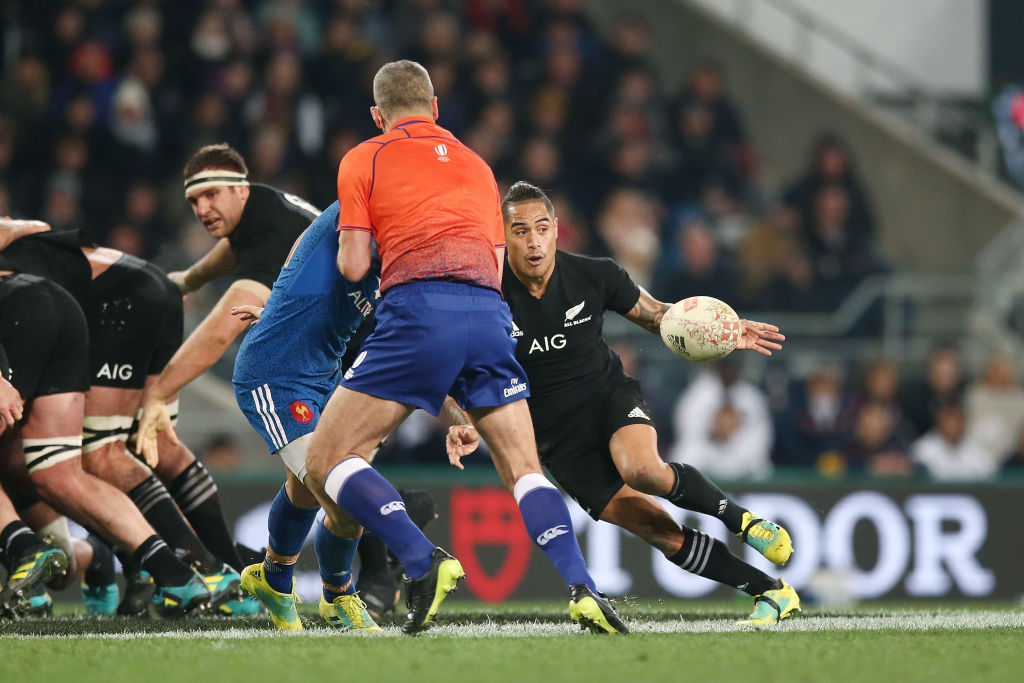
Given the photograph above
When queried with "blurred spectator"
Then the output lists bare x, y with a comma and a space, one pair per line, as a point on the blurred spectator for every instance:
839, 256
831, 164
704, 86
947, 452
995, 409
880, 386
222, 453
874, 447
723, 426
698, 269
629, 225
817, 421
943, 383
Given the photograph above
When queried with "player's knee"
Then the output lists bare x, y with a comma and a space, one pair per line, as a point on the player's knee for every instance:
57, 485
643, 478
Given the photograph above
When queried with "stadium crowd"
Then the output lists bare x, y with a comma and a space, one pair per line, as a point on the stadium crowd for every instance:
101, 102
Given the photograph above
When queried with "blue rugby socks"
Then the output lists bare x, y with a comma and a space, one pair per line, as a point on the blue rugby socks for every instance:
288, 525
335, 555
549, 525
373, 502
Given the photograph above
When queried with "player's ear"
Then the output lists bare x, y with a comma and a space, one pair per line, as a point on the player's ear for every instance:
433, 107
243, 192
375, 114
554, 228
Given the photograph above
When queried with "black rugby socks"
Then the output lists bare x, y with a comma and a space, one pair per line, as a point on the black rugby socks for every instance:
196, 494
708, 557
693, 491
159, 509
157, 558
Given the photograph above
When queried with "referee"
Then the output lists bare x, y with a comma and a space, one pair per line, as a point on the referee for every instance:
594, 430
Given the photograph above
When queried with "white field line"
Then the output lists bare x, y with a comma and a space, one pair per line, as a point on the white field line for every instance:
909, 621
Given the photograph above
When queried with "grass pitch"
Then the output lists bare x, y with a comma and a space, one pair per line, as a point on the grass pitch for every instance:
534, 643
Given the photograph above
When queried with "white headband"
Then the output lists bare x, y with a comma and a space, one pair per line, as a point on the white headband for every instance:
216, 176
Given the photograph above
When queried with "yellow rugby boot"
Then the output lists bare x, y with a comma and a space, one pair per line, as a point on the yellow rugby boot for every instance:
280, 605
766, 537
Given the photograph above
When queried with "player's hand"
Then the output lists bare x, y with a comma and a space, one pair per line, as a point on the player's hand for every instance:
178, 278
11, 405
155, 419
461, 440
12, 229
247, 312
760, 337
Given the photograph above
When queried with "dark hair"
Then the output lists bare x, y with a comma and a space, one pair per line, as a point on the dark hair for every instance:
523, 191
222, 156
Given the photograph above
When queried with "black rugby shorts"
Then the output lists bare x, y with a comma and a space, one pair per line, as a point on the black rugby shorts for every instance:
45, 336
136, 323
576, 451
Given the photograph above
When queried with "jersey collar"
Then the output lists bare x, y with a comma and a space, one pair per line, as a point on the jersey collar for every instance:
412, 119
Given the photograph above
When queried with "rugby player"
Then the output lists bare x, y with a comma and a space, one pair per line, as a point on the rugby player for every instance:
594, 430
135, 323
255, 227
29, 561
39, 323
287, 368
442, 328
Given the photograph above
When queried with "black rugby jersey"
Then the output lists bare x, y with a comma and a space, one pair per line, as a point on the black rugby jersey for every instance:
271, 222
56, 256
560, 340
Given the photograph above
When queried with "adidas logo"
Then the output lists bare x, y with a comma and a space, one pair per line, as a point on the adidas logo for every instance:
392, 507
722, 504
516, 332
551, 534
636, 412
442, 152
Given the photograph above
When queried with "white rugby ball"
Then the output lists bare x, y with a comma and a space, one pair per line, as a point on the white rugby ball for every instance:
701, 328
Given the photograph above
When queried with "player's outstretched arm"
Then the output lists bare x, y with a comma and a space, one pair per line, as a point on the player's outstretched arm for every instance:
647, 312
761, 337
198, 353
12, 229
217, 262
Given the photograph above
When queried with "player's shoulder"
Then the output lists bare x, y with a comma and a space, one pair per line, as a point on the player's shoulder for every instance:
594, 266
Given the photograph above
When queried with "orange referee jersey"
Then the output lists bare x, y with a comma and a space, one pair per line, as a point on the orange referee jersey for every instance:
431, 203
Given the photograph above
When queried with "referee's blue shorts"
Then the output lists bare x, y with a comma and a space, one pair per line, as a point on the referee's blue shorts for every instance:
438, 338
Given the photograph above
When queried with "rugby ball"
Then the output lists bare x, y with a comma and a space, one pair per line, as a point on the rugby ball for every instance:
701, 328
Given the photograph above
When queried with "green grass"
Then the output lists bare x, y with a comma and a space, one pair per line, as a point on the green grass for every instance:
532, 643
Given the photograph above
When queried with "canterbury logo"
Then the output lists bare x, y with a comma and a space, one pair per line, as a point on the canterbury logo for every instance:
636, 412
551, 534
392, 507
442, 152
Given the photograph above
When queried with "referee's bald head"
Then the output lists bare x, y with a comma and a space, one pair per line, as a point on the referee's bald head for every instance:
403, 87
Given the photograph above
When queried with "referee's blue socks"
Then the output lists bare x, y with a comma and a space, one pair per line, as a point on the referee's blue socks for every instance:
373, 502
288, 525
335, 555
549, 525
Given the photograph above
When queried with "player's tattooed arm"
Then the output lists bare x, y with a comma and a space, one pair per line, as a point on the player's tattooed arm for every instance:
462, 438
217, 262
647, 312
457, 414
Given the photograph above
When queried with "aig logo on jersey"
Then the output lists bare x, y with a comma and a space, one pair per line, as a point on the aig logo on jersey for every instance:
442, 153
514, 388
116, 371
570, 315
554, 342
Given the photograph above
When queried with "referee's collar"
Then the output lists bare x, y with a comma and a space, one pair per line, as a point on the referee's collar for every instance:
412, 119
